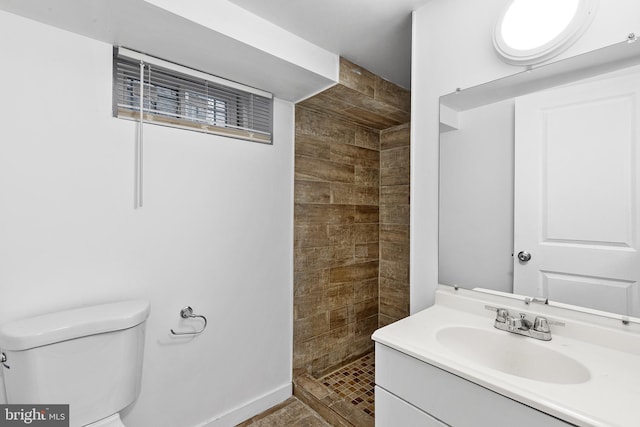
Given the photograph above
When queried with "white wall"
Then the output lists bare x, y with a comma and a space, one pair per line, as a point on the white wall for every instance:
215, 231
452, 47
476, 199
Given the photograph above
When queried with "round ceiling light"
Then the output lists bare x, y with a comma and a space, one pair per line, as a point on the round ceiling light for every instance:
533, 31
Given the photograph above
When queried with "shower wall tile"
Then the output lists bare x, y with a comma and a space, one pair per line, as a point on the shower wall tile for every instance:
325, 102
311, 146
357, 78
340, 295
395, 176
311, 235
359, 108
394, 270
341, 234
398, 233
394, 224
392, 94
366, 233
322, 257
323, 127
305, 213
395, 214
384, 320
313, 192
368, 177
367, 214
351, 213
311, 326
353, 155
394, 300
366, 326
394, 195
367, 251
366, 309
353, 194
368, 138
398, 252
395, 158
395, 165
309, 281
356, 272
310, 304
365, 289
362, 98
340, 317
366, 117
336, 241
395, 137
323, 170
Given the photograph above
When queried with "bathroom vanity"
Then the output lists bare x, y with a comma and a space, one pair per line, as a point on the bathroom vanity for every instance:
449, 365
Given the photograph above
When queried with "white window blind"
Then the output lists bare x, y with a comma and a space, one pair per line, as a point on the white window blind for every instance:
180, 97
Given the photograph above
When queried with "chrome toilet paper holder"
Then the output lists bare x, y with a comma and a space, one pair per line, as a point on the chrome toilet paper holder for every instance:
187, 313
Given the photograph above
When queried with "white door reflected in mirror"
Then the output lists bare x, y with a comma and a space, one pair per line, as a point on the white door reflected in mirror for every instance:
577, 208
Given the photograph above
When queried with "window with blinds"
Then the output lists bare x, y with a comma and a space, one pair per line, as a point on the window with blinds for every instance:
176, 96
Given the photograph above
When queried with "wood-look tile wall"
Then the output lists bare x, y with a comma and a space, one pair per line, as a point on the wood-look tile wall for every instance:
351, 256
363, 98
336, 254
394, 223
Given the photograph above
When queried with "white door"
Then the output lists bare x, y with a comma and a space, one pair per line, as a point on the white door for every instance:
577, 201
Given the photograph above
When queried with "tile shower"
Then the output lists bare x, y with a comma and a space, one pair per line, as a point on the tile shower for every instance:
351, 249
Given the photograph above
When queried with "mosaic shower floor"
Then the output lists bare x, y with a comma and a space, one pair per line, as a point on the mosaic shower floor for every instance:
355, 383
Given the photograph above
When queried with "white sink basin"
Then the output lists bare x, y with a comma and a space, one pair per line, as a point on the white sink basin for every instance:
512, 354
587, 375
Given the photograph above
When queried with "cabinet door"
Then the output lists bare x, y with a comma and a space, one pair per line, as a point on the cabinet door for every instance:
449, 398
393, 412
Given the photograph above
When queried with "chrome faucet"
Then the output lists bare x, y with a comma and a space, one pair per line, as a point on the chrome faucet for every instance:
514, 323
538, 329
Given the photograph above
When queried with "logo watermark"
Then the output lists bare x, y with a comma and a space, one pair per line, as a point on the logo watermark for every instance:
34, 415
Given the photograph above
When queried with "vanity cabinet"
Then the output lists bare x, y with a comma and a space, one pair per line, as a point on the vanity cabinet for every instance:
449, 365
410, 392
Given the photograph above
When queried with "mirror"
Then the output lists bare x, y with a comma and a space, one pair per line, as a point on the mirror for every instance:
477, 223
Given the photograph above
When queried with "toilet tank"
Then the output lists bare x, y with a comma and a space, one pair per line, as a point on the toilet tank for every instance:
89, 358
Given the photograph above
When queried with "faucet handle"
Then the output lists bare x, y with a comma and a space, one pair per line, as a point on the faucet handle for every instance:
541, 324
501, 315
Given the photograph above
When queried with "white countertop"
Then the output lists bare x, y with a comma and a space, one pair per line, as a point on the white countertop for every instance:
609, 350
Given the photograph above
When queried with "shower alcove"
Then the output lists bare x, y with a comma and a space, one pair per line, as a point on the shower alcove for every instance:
351, 238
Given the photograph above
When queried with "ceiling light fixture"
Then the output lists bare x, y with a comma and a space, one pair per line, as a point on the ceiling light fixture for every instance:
533, 31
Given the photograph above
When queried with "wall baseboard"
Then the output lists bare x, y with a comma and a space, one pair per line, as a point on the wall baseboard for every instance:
250, 409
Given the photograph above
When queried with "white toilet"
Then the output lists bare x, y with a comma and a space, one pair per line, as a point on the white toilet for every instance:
89, 358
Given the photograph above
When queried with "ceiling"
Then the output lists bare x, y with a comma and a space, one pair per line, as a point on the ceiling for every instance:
375, 34
167, 29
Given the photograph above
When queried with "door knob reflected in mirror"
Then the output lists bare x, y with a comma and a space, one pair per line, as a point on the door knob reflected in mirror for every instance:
524, 256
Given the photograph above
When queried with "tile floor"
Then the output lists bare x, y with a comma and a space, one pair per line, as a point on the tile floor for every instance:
355, 382
291, 412
345, 397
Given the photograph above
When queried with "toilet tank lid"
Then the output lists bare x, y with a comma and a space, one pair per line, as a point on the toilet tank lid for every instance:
69, 324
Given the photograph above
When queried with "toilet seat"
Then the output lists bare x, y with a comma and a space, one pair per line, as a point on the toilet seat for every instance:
112, 421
